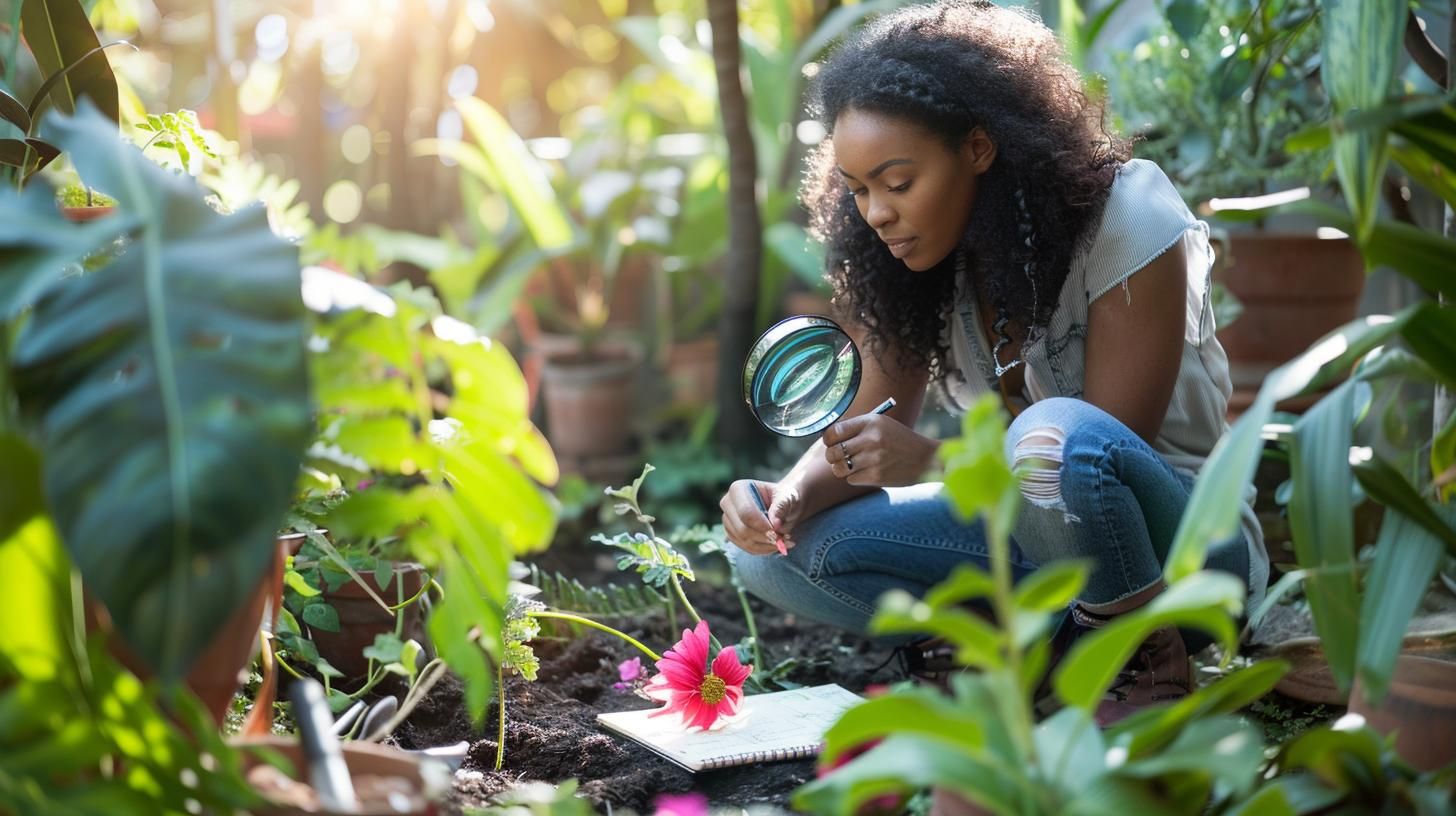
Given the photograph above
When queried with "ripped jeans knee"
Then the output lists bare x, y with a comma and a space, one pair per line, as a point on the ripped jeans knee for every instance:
1038, 456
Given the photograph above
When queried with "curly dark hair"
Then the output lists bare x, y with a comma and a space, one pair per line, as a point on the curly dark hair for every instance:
951, 67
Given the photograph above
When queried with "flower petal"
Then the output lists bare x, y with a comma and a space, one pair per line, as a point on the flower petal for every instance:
726, 666
680, 675
692, 711
694, 646
705, 716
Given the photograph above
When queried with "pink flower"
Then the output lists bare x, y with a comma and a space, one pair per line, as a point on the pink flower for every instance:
630, 671
685, 682
681, 804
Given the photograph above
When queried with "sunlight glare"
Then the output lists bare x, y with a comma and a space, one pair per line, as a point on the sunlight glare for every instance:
463, 81
271, 35
343, 201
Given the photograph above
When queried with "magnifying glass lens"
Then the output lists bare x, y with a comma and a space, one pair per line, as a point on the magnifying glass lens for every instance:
802, 375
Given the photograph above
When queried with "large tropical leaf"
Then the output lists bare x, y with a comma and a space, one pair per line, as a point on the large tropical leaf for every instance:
1406, 557
168, 392
60, 36
1212, 514
1323, 525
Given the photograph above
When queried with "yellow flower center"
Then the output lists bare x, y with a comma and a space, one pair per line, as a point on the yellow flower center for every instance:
713, 689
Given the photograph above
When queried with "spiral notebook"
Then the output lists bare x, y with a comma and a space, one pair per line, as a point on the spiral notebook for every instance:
769, 727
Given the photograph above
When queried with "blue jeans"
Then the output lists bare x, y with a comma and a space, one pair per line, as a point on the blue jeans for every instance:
1095, 490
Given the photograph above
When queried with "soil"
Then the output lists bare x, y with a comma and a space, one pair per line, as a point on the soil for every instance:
551, 731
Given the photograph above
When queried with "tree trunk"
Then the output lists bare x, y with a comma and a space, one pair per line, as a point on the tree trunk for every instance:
745, 245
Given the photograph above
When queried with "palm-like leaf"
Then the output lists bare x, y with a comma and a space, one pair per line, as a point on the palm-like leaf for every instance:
169, 396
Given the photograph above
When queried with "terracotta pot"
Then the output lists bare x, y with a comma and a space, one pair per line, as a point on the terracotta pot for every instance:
589, 404
81, 215
1294, 288
221, 669
692, 372
361, 618
366, 762
1420, 709
945, 803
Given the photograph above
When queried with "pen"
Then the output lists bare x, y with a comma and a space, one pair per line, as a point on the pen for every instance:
758, 500
884, 406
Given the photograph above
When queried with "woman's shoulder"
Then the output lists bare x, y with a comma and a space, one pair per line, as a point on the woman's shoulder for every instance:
1142, 217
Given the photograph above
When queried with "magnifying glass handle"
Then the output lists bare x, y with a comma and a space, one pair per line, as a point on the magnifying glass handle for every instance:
758, 500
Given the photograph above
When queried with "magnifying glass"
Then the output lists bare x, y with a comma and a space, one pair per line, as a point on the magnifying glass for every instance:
801, 376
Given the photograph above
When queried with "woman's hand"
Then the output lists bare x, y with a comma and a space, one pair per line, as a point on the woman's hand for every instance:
874, 450
747, 526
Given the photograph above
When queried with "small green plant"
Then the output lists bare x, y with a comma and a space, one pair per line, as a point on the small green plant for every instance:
181, 135
654, 558
981, 742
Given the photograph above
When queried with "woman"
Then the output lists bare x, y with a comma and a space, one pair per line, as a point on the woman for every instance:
984, 232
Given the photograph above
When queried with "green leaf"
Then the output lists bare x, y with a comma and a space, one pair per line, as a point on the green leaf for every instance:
1362, 42
1052, 587
387, 648
903, 764
1212, 514
1443, 458
1206, 600
321, 616
1267, 801
67, 52
1385, 484
521, 178
20, 483
1149, 730
1323, 527
1187, 17
978, 643
36, 246
296, 582
967, 582
1225, 749
409, 657
12, 111
1070, 748
38, 591
169, 393
1407, 555
1345, 759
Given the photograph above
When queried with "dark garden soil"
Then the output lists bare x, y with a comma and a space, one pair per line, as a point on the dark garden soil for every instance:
551, 731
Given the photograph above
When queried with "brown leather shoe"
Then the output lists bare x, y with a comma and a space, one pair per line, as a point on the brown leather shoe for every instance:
1158, 672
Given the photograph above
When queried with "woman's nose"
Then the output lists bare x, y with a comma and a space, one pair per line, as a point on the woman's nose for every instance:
879, 214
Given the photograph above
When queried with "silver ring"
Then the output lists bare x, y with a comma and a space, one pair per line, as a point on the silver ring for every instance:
849, 463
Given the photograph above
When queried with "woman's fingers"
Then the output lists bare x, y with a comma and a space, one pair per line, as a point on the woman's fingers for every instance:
744, 522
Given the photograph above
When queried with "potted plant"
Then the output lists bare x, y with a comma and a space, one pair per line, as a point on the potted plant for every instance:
1215, 93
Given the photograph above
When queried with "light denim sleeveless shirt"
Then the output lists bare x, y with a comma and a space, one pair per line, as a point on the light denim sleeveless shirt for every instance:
1142, 218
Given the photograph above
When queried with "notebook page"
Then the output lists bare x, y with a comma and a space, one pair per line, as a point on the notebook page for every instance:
779, 725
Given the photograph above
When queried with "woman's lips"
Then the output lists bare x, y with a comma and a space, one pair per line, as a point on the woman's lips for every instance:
900, 247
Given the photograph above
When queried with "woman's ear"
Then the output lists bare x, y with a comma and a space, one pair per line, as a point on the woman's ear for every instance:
978, 151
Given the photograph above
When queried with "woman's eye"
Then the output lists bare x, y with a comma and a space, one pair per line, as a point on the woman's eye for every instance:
857, 193
899, 188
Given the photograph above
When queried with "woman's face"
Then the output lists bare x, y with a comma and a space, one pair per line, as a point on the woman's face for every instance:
911, 189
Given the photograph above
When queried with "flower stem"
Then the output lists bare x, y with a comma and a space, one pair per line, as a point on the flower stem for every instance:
500, 742
752, 628
566, 616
